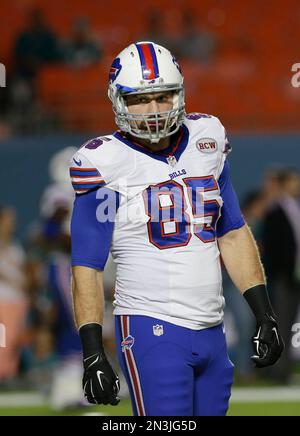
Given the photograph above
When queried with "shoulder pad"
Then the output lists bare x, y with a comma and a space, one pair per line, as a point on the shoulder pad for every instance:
211, 127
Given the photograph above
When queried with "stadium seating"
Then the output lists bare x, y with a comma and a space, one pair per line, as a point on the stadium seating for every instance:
248, 84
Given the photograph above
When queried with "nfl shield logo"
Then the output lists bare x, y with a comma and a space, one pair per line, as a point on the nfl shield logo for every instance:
172, 161
158, 330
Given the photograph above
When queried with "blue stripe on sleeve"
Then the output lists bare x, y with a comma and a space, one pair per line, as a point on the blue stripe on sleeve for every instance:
89, 185
231, 215
78, 173
92, 227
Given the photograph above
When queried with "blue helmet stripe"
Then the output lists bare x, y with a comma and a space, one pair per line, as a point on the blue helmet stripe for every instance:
154, 60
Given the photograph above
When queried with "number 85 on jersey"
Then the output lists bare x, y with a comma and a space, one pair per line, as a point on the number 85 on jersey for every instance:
177, 211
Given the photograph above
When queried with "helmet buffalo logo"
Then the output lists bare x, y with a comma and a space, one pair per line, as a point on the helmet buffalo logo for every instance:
115, 69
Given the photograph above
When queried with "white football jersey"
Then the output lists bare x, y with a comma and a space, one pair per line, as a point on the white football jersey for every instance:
164, 240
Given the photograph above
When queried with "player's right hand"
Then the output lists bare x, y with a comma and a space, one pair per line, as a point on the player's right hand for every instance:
100, 382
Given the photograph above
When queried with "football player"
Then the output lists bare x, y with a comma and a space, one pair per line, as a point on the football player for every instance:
158, 195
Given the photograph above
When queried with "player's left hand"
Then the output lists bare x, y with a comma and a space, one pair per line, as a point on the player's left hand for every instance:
268, 343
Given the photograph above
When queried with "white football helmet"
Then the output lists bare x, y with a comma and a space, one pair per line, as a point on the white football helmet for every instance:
142, 68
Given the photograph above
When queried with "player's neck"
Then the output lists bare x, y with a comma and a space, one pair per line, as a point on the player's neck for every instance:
152, 146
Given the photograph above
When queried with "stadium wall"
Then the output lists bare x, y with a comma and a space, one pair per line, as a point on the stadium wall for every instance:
24, 166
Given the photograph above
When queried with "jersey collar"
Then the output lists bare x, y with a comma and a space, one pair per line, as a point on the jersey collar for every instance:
176, 148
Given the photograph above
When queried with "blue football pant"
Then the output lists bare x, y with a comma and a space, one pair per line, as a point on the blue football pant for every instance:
172, 370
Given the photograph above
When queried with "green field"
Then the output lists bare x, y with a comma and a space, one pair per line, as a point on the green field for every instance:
265, 409
124, 409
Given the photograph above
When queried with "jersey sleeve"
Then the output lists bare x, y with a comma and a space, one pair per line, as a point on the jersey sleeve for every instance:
225, 143
227, 147
84, 175
92, 227
231, 215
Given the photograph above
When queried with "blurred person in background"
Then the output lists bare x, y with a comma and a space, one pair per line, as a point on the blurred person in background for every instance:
281, 242
196, 43
192, 43
54, 352
54, 219
82, 50
59, 191
271, 185
253, 209
54, 338
13, 299
65, 389
35, 46
54, 358
155, 30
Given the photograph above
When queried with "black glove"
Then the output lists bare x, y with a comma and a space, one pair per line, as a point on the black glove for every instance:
267, 342
100, 383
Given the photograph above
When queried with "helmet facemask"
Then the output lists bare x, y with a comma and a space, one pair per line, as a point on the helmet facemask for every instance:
149, 126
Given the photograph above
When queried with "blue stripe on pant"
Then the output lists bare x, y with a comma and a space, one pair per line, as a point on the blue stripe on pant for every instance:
181, 372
